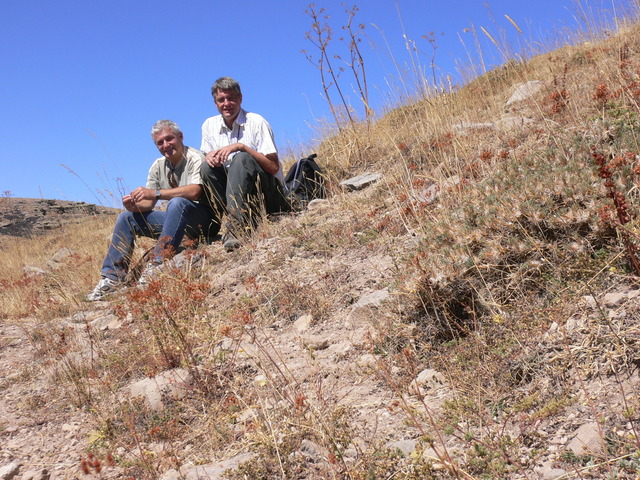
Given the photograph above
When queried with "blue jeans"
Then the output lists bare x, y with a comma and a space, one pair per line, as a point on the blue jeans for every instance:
182, 216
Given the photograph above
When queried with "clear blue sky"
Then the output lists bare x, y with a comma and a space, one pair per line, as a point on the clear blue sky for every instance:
84, 81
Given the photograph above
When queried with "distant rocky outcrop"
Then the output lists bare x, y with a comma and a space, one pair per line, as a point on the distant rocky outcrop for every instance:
23, 217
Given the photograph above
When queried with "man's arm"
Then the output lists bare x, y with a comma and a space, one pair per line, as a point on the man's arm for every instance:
132, 206
268, 162
190, 192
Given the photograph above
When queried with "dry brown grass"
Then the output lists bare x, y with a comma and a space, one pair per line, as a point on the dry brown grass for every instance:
60, 289
479, 276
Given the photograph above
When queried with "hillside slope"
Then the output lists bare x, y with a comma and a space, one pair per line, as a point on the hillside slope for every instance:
473, 314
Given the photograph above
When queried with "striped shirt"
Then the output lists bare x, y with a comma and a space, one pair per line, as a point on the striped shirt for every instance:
249, 129
187, 172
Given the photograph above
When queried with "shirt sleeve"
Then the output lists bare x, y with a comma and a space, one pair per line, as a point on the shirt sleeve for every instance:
267, 143
192, 169
207, 144
153, 177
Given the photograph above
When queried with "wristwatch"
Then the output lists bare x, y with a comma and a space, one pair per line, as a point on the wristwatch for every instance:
158, 193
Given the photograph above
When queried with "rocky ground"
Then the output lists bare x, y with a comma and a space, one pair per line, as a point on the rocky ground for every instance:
44, 434
321, 352
23, 217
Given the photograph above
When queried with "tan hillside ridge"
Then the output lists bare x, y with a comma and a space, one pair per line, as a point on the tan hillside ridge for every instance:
472, 315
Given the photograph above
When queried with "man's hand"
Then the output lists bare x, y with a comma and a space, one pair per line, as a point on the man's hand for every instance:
131, 204
141, 193
128, 202
269, 162
216, 158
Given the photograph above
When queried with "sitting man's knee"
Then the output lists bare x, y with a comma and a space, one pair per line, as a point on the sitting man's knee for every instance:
125, 217
206, 170
244, 161
178, 203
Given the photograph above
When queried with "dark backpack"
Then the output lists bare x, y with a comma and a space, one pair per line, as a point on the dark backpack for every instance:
304, 181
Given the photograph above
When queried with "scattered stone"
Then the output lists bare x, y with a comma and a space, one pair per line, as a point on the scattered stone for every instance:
590, 301
466, 127
360, 181
404, 446
66, 427
169, 384
431, 377
431, 193
633, 294
172, 474
214, 471
341, 349
573, 323
303, 323
525, 91
374, 298
187, 260
316, 344
587, 440
59, 258
42, 474
106, 322
614, 299
31, 271
427, 380
312, 451
10, 470
248, 415
547, 472
318, 205
87, 316
354, 449
366, 360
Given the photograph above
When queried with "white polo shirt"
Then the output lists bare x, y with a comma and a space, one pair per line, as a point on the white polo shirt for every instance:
249, 129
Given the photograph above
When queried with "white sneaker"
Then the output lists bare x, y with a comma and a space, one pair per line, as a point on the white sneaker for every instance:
150, 271
105, 286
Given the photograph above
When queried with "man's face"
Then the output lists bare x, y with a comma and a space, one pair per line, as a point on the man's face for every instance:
169, 144
228, 103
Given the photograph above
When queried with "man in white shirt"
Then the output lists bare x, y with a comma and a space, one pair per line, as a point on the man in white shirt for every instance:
242, 174
174, 177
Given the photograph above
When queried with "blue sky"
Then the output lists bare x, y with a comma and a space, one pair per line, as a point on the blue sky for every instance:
84, 81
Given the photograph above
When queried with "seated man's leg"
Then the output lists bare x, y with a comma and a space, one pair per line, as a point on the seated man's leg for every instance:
128, 226
250, 193
214, 197
182, 216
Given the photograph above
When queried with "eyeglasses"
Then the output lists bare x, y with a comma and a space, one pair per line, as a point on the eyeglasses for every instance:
228, 98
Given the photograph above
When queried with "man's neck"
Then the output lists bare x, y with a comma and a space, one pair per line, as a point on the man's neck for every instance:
175, 159
230, 123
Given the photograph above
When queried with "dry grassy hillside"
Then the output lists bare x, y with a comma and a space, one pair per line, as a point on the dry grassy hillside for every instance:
470, 315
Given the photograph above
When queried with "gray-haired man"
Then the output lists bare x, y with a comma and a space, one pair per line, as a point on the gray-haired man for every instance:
174, 177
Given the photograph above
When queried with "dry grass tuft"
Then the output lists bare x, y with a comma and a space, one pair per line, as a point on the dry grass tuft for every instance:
497, 240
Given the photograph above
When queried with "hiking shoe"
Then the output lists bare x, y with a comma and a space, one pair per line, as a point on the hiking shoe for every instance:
105, 286
230, 242
150, 271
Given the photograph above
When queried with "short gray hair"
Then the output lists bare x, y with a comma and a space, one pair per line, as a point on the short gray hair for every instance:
225, 83
161, 125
